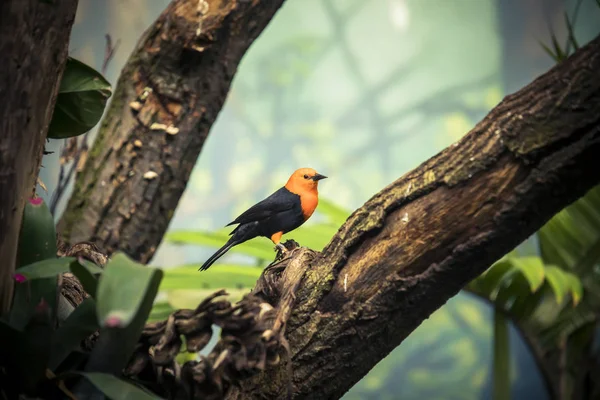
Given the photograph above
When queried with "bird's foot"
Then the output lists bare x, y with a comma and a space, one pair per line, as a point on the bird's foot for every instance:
281, 250
284, 248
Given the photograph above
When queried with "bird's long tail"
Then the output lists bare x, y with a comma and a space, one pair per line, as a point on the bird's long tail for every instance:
230, 243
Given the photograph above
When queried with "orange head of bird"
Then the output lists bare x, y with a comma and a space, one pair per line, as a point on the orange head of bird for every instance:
304, 180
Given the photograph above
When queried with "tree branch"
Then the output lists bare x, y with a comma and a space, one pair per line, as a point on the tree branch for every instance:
34, 39
420, 240
167, 98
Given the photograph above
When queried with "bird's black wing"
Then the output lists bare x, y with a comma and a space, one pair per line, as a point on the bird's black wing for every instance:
281, 200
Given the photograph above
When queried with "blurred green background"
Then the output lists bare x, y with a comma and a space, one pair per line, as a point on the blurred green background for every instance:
362, 91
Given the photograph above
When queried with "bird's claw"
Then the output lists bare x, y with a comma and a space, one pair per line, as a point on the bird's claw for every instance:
281, 250
281, 247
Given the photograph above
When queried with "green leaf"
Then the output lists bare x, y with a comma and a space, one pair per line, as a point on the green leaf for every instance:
79, 325
28, 295
55, 266
564, 283
570, 239
490, 281
117, 389
160, 311
122, 289
81, 100
126, 292
37, 238
37, 244
558, 281
85, 275
35, 351
560, 53
549, 51
532, 269
221, 276
576, 288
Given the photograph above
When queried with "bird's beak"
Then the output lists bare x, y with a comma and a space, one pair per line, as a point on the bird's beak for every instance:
318, 177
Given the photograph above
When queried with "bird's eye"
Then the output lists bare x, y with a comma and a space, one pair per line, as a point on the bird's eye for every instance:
305, 176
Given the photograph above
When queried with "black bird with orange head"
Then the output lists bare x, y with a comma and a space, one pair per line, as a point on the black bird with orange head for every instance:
282, 212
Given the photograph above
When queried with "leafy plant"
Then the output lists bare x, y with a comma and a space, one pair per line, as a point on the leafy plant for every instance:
81, 100
40, 350
516, 286
552, 298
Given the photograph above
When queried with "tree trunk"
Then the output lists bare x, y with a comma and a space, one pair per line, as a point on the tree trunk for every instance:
420, 240
34, 39
167, 98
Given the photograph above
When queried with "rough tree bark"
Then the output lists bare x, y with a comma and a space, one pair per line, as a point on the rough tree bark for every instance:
415, 244
168, 96
34, 39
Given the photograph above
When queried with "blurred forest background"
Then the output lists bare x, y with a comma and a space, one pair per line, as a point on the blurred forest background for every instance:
362, 91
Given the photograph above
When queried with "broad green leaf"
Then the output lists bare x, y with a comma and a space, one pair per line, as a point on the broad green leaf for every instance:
37, 244
85, 275
160, 311
513, 288
558, 281
53, 267
568, 240
217, 277
28, 295
576, 288
117, 389
34, 352
37, 238
81, 100
122, 289
490, 281
79, 325
532, 269
524, 303
126, 292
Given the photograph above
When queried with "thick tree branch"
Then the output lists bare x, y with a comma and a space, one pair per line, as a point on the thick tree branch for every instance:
34, 39
421, 239
167, 98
